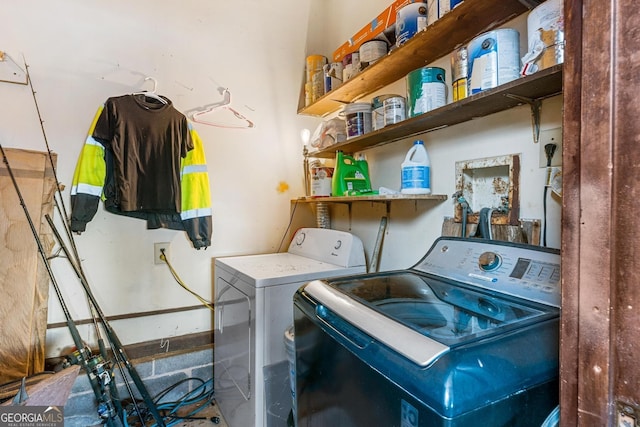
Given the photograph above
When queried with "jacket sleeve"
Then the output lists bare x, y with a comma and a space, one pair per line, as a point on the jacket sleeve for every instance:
88, 181
196, 213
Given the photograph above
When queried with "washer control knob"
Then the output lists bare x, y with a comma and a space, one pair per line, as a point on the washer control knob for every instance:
489, 261
300, 238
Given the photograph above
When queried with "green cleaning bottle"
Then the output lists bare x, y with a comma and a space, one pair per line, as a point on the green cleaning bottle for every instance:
350, 176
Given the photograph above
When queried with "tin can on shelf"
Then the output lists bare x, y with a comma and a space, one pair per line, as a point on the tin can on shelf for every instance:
394, 110
332, 76
426, 90
357, 119
321, 181
494, 59
314, 85
459, 71
410, 20
350, 66
371, 51
545, 29
377, 111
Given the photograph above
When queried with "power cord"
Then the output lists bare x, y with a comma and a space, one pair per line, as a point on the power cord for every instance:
185, 407
206, 303
209, 304
284, 235
549, 151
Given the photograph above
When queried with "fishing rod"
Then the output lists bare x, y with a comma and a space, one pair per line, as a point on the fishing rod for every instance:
95, 369
111, 335
60, 206
102, 349
62, 209
74, 260
62, 212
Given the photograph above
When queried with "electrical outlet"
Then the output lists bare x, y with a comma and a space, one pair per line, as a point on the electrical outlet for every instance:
627, 415
551, 136
625, 420
157, 252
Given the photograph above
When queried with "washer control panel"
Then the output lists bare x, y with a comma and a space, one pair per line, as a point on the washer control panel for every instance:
489, 261
326, 245
526, 271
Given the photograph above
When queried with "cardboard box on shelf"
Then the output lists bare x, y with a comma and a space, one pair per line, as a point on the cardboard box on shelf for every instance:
382, 23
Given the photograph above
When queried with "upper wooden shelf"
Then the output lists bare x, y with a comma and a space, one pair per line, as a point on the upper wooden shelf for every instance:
455, 29
543, 84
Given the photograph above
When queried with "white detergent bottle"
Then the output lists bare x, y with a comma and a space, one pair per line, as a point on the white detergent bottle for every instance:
416, 170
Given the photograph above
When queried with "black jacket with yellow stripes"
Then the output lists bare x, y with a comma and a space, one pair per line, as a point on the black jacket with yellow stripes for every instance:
90, 185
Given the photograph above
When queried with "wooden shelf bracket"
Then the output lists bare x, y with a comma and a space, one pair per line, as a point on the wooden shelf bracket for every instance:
536, 106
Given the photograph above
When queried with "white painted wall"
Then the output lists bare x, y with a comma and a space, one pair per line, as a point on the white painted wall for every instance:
80, 53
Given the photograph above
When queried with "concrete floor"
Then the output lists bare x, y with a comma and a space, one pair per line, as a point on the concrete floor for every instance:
208, 416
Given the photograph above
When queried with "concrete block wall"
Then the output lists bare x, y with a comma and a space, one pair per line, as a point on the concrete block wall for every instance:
179, 372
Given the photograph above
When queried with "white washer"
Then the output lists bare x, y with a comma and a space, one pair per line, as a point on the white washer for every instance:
254, 307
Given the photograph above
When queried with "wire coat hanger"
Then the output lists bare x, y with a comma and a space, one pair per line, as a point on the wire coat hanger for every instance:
225, 104
153, 93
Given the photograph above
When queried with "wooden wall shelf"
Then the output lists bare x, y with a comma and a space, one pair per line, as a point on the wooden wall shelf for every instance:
455, 29
541, 85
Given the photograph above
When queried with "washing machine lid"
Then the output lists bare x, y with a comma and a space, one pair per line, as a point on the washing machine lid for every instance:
281, 268
422, 317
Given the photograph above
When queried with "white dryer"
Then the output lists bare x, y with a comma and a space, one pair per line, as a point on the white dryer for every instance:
254, 307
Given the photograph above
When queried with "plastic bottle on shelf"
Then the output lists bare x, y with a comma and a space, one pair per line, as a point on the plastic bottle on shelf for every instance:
416, 170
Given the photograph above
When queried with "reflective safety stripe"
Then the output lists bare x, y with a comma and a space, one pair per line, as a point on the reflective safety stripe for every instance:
195, 213
92, 141
93, 190
193, 169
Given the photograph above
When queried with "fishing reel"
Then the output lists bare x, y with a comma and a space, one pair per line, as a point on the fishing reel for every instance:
97, 367
100, 369
100, 374
77, 357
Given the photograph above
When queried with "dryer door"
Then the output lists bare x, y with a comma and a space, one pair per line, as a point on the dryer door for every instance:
232, 350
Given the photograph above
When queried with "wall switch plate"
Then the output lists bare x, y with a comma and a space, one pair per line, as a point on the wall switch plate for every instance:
551, 136
157, 252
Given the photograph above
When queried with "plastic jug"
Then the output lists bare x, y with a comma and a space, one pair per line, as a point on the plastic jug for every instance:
416, 170
350, 176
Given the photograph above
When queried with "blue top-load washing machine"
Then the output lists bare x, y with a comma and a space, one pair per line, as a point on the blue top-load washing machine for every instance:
466, 337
